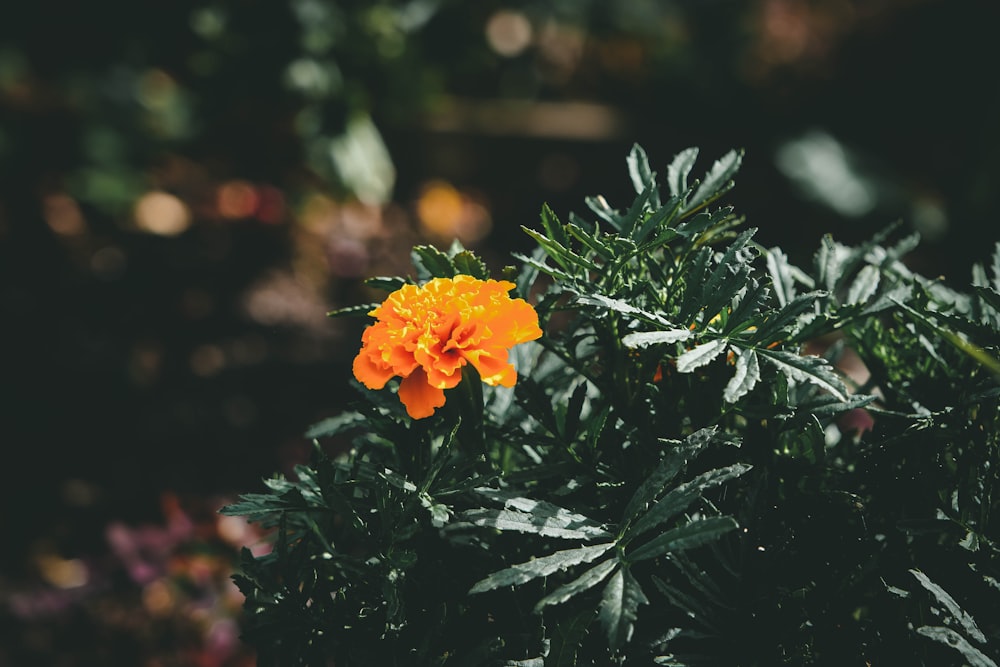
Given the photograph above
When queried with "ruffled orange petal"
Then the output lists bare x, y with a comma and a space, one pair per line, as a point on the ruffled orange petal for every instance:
419, 397
492, 367
371, 373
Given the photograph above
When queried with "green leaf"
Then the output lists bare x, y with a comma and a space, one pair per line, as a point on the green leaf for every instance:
687, 536
678, 499
619, 605
653, 221
745, 378
716, 181
955, 611
776, 325
630, 220
539, 523
562, 254
386, 283
679, 169
467, 263
647, 338
668, 468
864, 286
973, 656
566, 639
620, 306
354, 311
540, 567
639, 171
699, 356
553, 228
781, 275
807, 369
585, 581
600, 206
432, 262
995, 267
335, 425
728, 278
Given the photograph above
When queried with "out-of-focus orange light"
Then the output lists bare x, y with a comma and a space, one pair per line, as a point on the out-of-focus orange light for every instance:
446, 214
63, 216
158, 598
63, 573
439, 207
237, 199
161, 213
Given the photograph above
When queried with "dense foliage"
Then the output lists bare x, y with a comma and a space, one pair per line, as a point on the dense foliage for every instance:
689, 470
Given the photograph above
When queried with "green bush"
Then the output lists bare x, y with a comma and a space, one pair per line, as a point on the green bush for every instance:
687, 472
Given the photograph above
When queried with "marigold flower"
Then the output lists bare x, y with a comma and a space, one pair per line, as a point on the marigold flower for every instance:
425, 335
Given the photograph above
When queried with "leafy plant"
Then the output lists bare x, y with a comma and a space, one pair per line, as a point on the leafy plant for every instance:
683, 474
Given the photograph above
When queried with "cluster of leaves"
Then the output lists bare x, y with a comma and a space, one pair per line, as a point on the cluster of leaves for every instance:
674, 479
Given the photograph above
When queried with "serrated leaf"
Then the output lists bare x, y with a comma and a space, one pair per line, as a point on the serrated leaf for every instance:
806, 369
600, 206
716, 180
585, 581
591, 240
699, 356
467, 263
540, 567
432, 262
688, 536
553, 227
354, 311
630, 220
781, 275
539, 508
253, 506
973, 656
638, 169
864, 286
619, 605
387, 283
955, 611
620, 306
744, 379
653, 221
995, 267
776, 324
679, 169
990, 296
523, 522
678, 499
668, 468
647, 338
540, 265
335, 425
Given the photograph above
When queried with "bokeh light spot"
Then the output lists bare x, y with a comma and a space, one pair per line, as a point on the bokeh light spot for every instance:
237, 199
161, 213
63, 216
508, 32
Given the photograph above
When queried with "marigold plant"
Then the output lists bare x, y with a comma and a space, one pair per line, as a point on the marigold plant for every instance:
427, 334
690, 469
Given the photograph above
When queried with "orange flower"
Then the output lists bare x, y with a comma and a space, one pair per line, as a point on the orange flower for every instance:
427, 334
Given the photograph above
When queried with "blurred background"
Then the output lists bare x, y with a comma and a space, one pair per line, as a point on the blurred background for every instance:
187, 187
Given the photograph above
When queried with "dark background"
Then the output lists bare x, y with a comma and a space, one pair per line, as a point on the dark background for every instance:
173, 228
